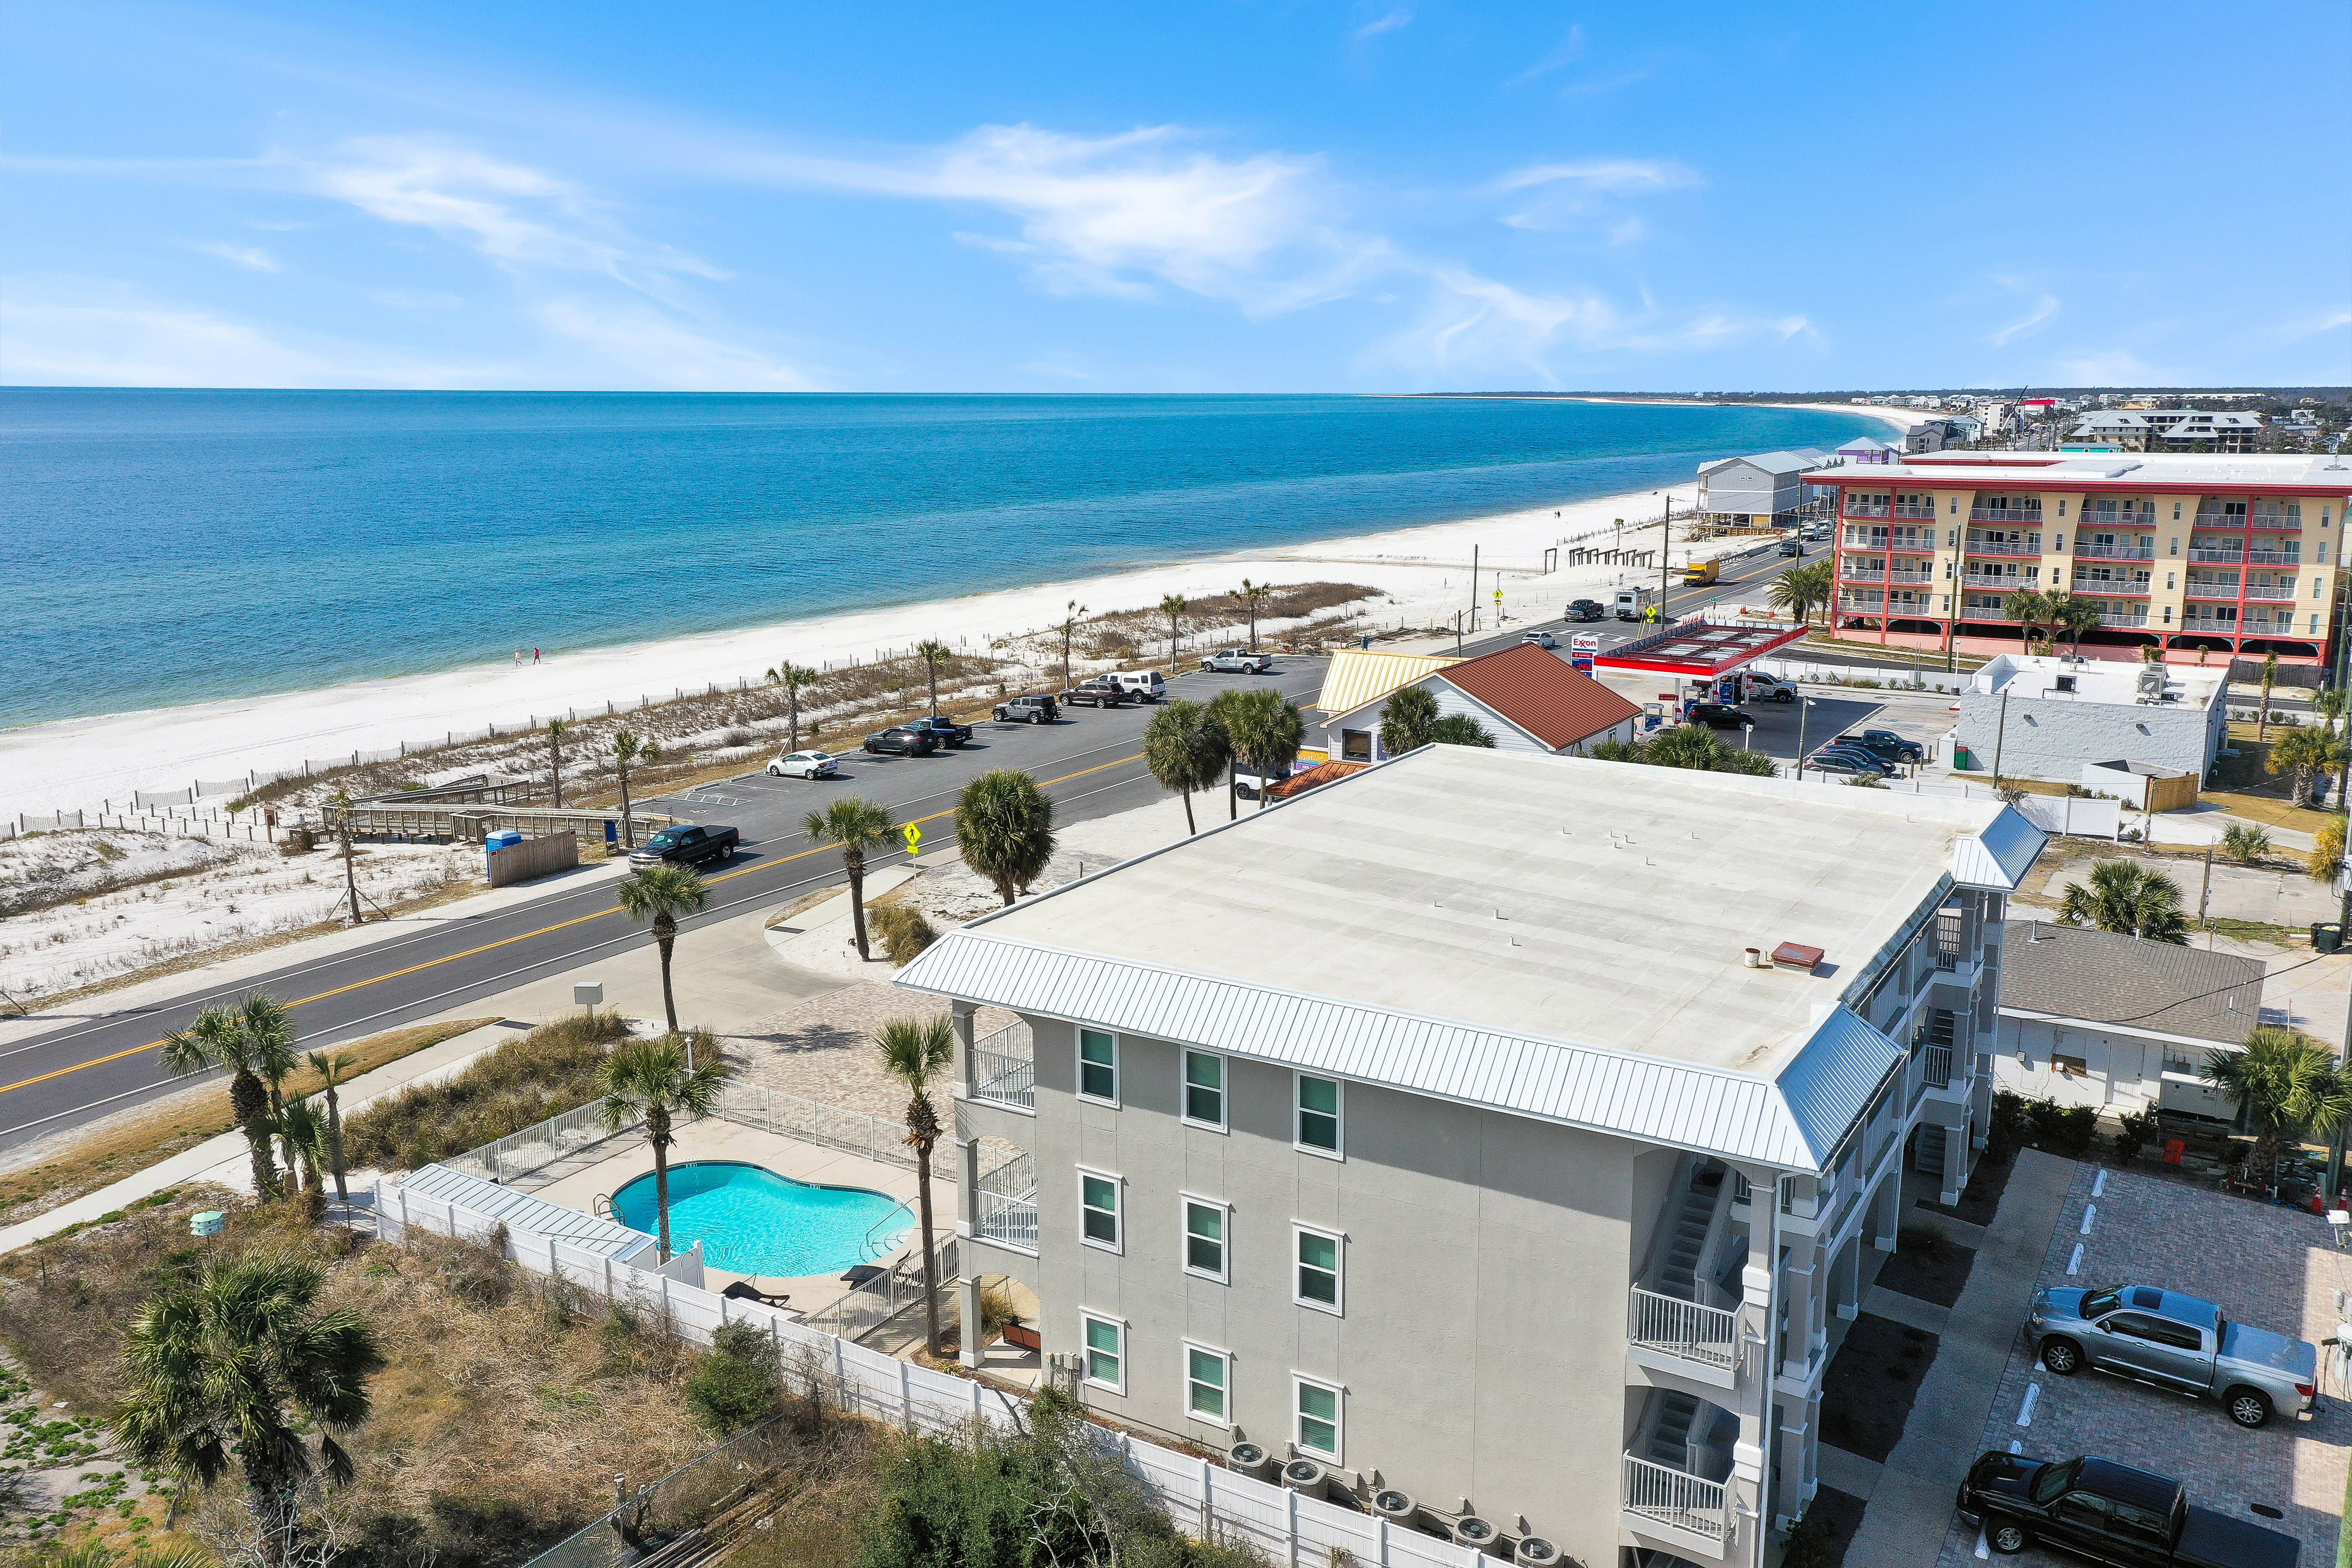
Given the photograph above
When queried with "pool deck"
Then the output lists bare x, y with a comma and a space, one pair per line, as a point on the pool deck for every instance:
604, 1168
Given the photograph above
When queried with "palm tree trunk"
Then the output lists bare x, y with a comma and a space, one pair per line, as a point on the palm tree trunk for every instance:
335, 1146
249, 1102
792, 697
659, 1132
628, 827
855, 866
1232, 794
934, 670
931, 1259
1190, 826
664, 942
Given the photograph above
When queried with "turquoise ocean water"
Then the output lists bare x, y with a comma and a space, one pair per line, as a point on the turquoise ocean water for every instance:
165, 547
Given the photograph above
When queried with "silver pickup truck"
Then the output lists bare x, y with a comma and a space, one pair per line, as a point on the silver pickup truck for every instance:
2179, 1342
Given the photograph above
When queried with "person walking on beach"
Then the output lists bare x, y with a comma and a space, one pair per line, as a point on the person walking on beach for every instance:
534, 656
518, 658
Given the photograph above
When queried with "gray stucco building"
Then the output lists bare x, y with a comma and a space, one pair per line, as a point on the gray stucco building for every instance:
1453, 1126
2044, 718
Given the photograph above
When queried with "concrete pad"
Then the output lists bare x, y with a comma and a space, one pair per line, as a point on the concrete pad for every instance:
1909, 1311
1849, 1473
1911, 1510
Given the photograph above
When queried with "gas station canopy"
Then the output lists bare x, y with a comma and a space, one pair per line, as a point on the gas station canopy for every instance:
1699, 651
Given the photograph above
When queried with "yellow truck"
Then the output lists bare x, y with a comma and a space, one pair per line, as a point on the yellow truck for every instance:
1700, 574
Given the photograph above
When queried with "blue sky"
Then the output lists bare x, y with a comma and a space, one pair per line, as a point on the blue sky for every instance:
1370, 195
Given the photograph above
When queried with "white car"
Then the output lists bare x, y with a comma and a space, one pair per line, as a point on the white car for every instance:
806, 765
1541, 639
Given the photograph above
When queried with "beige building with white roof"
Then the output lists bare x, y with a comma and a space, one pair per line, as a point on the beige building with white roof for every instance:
1451, 1128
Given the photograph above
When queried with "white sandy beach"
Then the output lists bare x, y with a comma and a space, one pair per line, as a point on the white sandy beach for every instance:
77, 764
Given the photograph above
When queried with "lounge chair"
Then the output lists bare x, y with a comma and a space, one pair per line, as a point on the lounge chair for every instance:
744, 1290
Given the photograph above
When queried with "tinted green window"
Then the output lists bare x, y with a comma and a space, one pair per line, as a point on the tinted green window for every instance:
1104, 1349
1098, 1063
1319, 1420
1319, 1268
1205, 1238
1319, 1113
1099, 1197
1205, 1087
1205, 1384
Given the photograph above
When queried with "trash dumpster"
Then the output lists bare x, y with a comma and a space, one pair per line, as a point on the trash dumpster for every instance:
2326, 936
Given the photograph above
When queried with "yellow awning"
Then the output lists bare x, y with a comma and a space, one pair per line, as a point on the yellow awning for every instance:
1358, 675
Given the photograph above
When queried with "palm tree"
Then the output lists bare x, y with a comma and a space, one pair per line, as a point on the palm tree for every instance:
628, 750
2128, 899
1797, 591
237, 1365
2291, 1085
1185, 750
1461, 730
333, 1072
915, 1051
224, 1037
1068, 627
661, 894
2302, 752
793, 679
1223, 710
1253, 597
2270, 677
1266, 728
1174, 607
302, 1135
1406, 719
2328, 703
2071, 615
2326, 858
2028, 606
860, 828
935, 655
555, 728
651, 1079
1004, 825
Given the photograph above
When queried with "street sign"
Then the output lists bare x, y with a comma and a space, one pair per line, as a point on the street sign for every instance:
1582, 647
912, 834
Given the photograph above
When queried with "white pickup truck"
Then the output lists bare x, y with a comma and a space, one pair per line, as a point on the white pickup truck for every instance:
1237, 661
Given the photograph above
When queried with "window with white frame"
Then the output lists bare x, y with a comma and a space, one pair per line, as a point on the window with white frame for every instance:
1208, 1379
1205, 1238
1106, 1341
1316, 1426
1098, 1208
1204, 1090
1315, 1121
1320, 1256
1098, 1065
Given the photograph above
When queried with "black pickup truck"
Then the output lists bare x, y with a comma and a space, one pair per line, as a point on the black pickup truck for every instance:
686, 846
2110, 1513
946, 732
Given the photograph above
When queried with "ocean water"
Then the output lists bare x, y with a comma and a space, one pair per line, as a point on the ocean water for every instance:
164, 547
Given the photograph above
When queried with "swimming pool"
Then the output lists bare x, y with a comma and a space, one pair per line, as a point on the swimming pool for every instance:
753, 1221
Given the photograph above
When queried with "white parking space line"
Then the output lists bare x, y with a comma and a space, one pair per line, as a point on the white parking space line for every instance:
2025, 1411
2090, 1213
2075, 1264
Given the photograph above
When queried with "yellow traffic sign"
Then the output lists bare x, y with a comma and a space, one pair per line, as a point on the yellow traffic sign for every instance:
912, 834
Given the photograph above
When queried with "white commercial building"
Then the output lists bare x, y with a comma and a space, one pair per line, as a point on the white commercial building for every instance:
1487, 1133
2027, 716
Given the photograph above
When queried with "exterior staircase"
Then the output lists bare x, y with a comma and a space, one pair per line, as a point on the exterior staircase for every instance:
1678, 1274
1669, 1442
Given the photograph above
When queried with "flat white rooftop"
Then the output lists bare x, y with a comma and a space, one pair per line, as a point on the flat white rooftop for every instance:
2038, 677
2309, 473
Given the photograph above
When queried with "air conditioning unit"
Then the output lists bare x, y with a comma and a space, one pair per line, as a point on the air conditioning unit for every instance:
1535, 1552
1306, 1478
1479, 1534
1249, 1459
1399, 1507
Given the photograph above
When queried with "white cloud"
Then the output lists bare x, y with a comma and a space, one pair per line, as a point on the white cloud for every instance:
2044, 310
251, 256
1472, 323
656, 345
1603, 175
1387, 24
416, 299
1567, 51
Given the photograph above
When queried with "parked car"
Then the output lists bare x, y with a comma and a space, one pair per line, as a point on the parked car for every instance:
1100, 692
685, 845
1539, 639
1868, 759
1586, 610
1853, 766
1237, 661
2110, 1513
946, 732
2179, 1342
1038, 708
1143, 685
1793, 546
804, 765
1763, 688
1720, 716
1887, 745
902, 739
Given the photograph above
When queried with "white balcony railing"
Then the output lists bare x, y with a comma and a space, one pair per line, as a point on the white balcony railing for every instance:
2118, 551
2110, 586
1708, 1335
1905, 508
1935, 1066
2004, 547
2222, 557
2274, 592
1006, 1204
1677, 1498
1004, 1068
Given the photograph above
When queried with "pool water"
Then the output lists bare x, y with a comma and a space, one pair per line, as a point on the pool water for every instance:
753, 1221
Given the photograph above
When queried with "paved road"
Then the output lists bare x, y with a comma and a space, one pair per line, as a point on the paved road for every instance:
102, 1061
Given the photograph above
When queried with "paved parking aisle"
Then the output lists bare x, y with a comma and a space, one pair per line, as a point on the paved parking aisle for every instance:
2271, 1267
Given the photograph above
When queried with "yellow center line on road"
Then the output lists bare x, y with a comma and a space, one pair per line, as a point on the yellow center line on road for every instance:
506, 941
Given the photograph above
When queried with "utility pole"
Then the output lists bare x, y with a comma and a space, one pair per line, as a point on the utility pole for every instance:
1665, 537
343, 832
2000, 735
1474, 588
1804, 704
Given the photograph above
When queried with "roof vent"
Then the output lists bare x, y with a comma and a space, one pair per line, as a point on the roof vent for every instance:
1796, 955
2066, 683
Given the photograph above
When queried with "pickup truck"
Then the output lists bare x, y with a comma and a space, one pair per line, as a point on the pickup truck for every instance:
1236, 661
2179, 1342
946, 732
686, 846
1099, 692
901, 740
1886, 743
2110, 1513
1038, 708
1584, 610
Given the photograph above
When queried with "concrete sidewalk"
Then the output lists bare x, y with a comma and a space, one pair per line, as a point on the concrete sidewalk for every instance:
1911, 1495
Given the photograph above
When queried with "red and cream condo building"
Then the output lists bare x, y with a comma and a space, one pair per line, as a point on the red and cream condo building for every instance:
2193, 554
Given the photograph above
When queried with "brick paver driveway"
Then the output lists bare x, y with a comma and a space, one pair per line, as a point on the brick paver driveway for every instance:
2274, 1268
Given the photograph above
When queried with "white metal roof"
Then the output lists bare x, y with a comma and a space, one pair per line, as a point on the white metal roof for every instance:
521, 1211
1553, 936
2313, 473
1790, 462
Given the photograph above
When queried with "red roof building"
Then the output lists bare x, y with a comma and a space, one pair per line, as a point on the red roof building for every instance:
1527, 698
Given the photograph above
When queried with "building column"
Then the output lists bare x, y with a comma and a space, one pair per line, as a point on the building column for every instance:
967, 1162
960, 1015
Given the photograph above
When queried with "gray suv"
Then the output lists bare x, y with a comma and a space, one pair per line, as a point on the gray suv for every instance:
2175, 1342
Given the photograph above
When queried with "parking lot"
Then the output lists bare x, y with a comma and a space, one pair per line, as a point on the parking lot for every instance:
2270, 1267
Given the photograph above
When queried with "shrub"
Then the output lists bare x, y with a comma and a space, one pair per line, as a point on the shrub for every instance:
737, 1383
2244, 843
903, 930
550, 1070
2136, 1130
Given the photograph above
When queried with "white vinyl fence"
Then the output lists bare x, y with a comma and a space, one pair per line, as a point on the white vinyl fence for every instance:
2051, 812
1204, 1499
